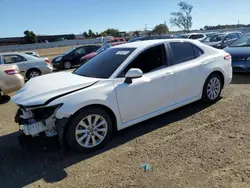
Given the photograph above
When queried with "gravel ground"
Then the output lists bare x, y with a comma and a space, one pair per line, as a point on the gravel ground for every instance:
195, 146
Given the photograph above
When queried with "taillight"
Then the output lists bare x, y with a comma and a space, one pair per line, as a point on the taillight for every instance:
11, 71
47, 61
227, 57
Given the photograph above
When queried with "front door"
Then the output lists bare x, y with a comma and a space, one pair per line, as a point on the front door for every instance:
152, 92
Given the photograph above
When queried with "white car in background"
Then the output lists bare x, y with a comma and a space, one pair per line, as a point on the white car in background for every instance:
193, 36
28, 65
120, 87
35, 54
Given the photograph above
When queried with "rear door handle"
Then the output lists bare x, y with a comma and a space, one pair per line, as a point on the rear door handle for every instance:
207, 62
166, 74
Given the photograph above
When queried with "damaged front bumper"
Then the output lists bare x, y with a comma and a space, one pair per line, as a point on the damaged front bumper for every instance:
34, 121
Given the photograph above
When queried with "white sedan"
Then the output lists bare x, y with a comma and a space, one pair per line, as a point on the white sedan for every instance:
120, 87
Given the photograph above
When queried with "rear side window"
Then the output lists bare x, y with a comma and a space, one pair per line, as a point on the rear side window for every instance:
182, 51
197, 51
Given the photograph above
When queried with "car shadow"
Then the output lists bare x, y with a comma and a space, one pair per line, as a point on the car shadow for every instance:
42, 159
5, 99
241, 78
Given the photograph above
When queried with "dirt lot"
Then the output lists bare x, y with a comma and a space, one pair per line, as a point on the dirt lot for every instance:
195, 146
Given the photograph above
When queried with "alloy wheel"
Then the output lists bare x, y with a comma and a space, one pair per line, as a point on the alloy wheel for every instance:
91, 131
213, 88
33, 74
67, 65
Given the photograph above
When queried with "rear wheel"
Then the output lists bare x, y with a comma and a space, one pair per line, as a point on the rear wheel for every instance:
89, 129
33, 73
212, 88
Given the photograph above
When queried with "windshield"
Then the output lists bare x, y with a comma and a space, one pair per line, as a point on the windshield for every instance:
183, 36
104, 64
103, 48
243, 41
214, 38
70, 50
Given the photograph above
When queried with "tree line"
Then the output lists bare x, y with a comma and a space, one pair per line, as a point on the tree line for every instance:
181, 19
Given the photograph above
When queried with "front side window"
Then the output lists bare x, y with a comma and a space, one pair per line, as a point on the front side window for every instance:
9, 59
80, 51
234, 36
149, 60
182, 51
104, 64
227, 37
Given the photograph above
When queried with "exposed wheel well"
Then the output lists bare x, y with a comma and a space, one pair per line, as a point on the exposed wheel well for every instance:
107, 109
31, 69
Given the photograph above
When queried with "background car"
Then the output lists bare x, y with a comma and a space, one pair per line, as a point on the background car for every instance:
122, 86
240, 52
152, 37
194, 36
222, 40
32, 53
28, 65
93, 54
72, 57
116, 41
10, 79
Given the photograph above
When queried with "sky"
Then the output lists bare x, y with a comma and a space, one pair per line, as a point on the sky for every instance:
76, 16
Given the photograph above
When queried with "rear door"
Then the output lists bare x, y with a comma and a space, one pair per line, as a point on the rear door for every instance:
186, 61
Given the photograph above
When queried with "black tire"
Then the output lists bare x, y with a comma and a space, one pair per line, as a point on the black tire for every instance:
1, 95
205, 95
73, 123
67, 65
32, 72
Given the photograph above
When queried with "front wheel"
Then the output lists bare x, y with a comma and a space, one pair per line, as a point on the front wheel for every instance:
89, 129
212, 88
67, 65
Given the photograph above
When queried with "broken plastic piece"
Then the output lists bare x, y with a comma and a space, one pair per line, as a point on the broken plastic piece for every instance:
146, 167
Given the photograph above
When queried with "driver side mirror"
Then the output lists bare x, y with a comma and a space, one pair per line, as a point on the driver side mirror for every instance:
132, 74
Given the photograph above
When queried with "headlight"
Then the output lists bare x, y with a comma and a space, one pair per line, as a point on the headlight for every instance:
58, 59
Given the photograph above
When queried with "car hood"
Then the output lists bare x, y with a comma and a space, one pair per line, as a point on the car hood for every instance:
238, 51
89, 56
42, 90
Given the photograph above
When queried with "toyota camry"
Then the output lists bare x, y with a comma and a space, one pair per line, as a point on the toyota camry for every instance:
124, 85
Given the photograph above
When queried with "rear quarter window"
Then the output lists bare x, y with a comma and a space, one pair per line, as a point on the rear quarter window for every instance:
182, 51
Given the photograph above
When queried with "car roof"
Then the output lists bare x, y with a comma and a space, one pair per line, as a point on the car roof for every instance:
147, 43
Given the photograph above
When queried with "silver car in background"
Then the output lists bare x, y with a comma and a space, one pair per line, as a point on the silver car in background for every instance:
28, 65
